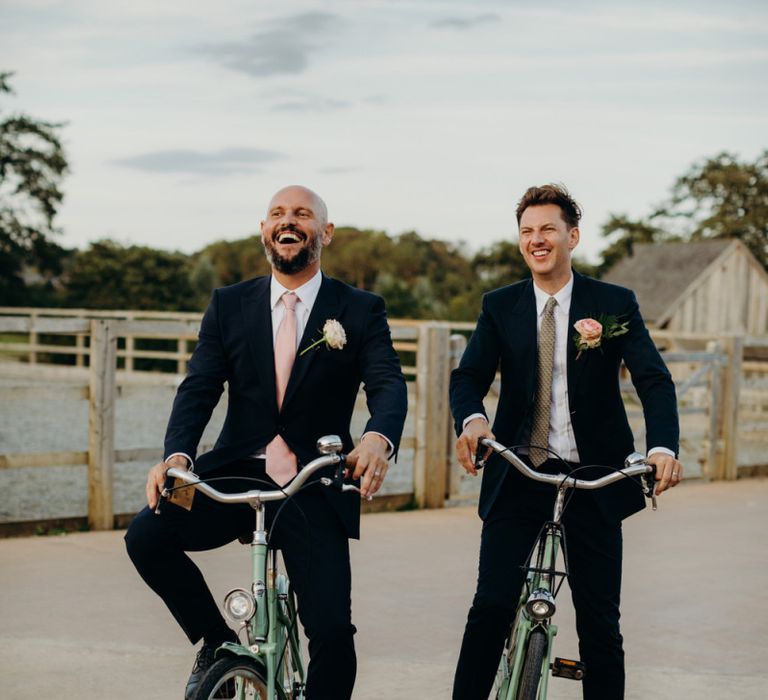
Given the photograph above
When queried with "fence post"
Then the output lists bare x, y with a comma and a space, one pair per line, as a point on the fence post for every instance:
129, 348
432, 374
458, 343
80, 349
729, 426
709, 470
181, 362
101, 424
33, 339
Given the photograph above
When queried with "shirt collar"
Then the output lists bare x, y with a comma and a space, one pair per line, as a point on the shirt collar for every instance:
563, 297
307, 293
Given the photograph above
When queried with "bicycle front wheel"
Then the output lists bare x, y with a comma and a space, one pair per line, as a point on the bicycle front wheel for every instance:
233, 678
532, 666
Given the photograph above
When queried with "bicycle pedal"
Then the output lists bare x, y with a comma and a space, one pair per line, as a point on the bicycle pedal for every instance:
567, 668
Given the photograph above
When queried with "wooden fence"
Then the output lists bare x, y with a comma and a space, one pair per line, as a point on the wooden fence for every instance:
723, 398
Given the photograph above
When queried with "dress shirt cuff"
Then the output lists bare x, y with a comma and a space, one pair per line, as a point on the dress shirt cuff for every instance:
389, 442
662, 450
472, 417
190, 465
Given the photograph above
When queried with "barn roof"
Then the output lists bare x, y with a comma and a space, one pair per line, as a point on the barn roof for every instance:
659, 273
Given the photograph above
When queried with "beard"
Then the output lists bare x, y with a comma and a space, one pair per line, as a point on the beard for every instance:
308, 254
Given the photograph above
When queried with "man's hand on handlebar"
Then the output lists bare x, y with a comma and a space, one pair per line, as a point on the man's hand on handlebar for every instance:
369, 460
467, 443
157, 475
669, 472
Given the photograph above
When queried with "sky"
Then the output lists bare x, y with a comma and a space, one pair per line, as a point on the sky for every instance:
184, 117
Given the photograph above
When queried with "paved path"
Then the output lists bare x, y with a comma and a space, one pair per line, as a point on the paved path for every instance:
76, 622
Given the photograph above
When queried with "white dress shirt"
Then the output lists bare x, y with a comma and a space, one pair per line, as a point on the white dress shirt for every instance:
307, 294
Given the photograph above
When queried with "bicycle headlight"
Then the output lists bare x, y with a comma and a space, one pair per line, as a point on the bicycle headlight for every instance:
540, 605
239, 605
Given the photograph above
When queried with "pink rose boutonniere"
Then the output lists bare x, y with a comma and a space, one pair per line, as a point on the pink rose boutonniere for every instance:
590, 333
334, 337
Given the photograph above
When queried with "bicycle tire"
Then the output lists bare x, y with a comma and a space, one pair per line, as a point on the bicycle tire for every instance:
534, 658
221, 680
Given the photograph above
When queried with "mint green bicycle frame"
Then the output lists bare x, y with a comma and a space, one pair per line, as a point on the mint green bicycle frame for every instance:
511, 665
272, 628
542, 571
267, 642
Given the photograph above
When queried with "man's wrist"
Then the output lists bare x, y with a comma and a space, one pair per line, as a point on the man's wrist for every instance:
179, 459
661, 450
474, 416
385, 441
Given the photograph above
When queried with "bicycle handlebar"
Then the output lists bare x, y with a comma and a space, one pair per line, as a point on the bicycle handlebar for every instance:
256, 496
631, 468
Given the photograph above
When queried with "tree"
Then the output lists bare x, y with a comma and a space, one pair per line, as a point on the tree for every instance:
500, 264
235, 261
725, 198
358, 256
720, 197
32, 165
626, 234
110, 276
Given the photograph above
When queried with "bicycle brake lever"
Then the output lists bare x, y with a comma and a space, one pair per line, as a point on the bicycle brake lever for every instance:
344, 488
164, 494
649, 486
480, 459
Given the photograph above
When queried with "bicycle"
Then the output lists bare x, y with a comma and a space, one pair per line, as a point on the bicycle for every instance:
270, 665
527, 654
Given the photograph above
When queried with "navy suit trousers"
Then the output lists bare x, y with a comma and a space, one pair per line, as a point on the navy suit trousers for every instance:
594, 548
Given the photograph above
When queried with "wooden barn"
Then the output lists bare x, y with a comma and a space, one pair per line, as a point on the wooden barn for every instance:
713, 287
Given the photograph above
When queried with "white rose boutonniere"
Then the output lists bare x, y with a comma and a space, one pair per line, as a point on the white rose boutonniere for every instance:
334, 336
590, 332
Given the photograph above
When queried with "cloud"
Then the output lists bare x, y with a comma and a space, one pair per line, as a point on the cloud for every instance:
310, 104
226, 161
283, 48
465, 23
338, 169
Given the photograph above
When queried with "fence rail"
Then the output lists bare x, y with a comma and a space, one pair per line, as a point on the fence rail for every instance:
723, 399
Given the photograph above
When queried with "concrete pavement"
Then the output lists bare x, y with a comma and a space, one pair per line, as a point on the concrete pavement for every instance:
77, 622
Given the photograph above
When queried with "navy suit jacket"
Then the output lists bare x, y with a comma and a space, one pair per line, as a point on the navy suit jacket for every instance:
235, 346
506, 338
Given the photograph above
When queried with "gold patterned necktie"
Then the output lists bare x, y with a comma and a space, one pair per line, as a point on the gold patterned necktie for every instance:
544, 365
282, 464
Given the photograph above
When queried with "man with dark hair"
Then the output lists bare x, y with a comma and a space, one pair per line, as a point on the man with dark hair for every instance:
559, 391
286, 389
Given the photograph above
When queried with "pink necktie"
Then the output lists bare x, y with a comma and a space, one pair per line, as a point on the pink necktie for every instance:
281, 461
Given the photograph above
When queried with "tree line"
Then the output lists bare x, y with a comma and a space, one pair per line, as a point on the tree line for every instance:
720, 196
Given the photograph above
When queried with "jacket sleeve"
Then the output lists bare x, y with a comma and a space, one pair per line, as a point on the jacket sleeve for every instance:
383, 381
471, 380
201, 389
652, 380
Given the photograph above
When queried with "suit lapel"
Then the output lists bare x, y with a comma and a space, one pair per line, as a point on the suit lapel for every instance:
522, 330
258, 329
327, 305
582, 306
